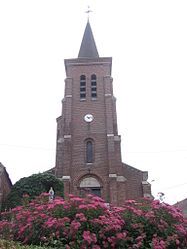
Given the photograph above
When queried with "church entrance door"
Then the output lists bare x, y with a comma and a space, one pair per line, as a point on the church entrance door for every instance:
90, 185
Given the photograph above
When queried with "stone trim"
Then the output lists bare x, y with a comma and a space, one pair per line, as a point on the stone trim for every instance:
66, 177
121, 179
146, 195
145, 183
117, 138
110, 135
60, 140
112, 175
89, 63
67, 136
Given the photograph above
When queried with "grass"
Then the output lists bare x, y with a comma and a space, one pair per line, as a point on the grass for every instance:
5, 244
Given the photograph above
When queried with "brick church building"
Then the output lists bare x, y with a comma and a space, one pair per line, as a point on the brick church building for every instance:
5, 184
88, 151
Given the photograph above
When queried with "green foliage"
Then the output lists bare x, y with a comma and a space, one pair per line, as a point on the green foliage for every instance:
32, 186
4, 244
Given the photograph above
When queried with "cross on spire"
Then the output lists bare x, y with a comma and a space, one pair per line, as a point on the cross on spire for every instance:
88, 11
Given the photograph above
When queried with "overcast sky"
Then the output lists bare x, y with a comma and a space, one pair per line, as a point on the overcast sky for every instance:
148, 43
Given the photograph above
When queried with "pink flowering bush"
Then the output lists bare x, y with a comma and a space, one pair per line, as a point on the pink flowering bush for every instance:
156, 225
88, 223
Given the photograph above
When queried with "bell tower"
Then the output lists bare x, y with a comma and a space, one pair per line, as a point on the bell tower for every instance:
88, 154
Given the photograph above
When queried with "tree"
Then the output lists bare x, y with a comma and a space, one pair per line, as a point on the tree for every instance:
32, 186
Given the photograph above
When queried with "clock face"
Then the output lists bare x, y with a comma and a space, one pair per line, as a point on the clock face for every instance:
88, 118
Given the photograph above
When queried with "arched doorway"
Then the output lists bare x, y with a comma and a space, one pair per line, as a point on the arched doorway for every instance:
90, 185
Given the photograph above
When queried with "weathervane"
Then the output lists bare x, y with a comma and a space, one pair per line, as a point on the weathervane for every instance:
88, 11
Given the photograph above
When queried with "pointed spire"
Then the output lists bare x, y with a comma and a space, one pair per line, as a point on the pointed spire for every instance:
88, 47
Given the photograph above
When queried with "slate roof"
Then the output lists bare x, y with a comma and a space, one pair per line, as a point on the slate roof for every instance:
88, 47
182, 205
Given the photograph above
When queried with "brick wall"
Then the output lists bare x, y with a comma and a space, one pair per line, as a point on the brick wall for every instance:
118, 181
5, 183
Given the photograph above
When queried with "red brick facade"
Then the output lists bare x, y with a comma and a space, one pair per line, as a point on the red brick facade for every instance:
77, 138
5, 183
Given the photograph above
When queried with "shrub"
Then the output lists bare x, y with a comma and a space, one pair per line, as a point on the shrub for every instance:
88, 223
33, 186
152, 224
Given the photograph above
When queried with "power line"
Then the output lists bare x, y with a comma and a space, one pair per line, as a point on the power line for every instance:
130, 152
155, 152
26, 147
175, 186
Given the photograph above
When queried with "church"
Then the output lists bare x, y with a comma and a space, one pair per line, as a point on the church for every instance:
5, 184
88, 150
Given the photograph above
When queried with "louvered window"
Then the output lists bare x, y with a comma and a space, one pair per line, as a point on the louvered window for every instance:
82, 87
93, 86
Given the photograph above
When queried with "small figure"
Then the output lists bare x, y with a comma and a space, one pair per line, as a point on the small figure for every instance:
51, 194
161, 196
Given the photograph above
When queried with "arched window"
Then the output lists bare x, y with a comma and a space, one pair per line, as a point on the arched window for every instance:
89, 151
82, 87
93, 86
90, 185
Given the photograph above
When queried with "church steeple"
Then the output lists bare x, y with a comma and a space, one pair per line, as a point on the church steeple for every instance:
88, 152
88, 47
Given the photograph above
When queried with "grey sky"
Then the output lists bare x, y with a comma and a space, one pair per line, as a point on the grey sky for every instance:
147, 40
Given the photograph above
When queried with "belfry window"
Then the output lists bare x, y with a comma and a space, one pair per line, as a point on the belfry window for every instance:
93, 86
82, 87
89, 151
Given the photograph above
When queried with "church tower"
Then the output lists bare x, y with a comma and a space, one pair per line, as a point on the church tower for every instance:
88, 154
